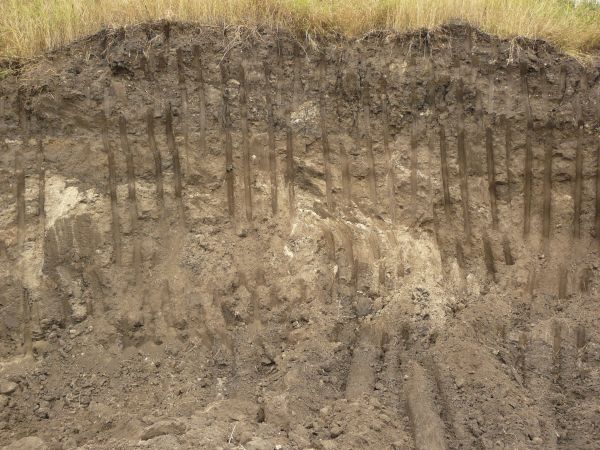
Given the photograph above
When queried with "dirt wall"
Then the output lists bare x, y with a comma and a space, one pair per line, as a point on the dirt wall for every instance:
223, 238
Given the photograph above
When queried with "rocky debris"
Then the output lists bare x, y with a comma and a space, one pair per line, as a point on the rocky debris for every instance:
27, 443
305, 117
42, 409
79, 312
161, 442
41, 348
162, 428
260, 444
7, 387
277, 411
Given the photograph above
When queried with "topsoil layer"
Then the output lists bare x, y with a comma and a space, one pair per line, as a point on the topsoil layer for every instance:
224, 238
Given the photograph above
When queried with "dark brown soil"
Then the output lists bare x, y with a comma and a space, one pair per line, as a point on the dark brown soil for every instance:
422, 284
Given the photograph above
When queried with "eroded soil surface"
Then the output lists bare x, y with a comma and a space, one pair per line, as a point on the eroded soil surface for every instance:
390, 242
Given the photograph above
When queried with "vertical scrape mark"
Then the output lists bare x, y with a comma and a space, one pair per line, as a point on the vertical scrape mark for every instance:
432, 210
107, 104
20, 196
366, 104
528, 187
413, 100
462, 162
271, 138
556, 351
488, 255
578, 172
201, 99
112, 186
387, 151
184, 109
543, 80
163, 56
158, 174
491, 169
297, 95
428, 428
491, 89
228, 144
330, 243
508, 257
172, 145
597, 215
162, 61
431, 82
478, 112
346, 176
460, 255
355, 132
562, 83
507, 156
245, 142
464, 183
444, 168
41, 166
523, 68
125, 146
366, 352
563, 281
531, 284
324, 137
27, 320
547, 209
145, 67
290, 170
131, 197
581, 352
180, 67
22, 111
41, 212
522, 356
413, 164
23, 291
474, 66
348, 247
585, 279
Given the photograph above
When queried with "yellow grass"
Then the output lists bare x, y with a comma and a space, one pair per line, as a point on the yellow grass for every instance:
28, 27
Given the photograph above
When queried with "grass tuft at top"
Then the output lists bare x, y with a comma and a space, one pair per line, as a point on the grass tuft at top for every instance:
29, 27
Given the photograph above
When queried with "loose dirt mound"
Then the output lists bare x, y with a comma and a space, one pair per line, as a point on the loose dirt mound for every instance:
229, 239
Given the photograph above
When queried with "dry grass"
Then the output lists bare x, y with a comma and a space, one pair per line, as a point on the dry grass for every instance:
28, 27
